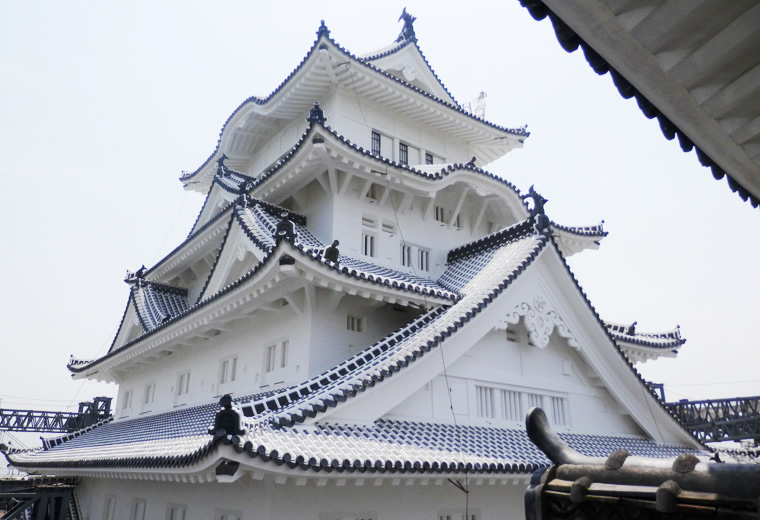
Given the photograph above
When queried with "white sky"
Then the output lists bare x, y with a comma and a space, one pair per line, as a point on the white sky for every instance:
103, 104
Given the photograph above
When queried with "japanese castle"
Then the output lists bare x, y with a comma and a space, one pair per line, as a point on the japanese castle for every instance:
381, 309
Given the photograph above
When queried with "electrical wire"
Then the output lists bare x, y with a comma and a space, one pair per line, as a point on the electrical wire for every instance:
465, 488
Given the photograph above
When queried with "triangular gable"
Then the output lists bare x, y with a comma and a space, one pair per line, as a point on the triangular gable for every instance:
405, 61
242, 250
350, 392
130, 326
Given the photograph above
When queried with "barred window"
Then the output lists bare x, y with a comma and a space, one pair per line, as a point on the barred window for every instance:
428, 158
403, 153
376, 142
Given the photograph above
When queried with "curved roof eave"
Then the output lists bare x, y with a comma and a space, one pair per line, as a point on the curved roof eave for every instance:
323, 38
313, 260
443, 175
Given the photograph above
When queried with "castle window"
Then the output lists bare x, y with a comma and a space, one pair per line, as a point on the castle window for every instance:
423, 259
109, 507
228, 370
176, 512
403, 153
138, 509
485, 397
406, 255
511, 408
368, 244
440, 214
428, 158
535, 400
376, 146
149, 394
127, 400
354, 323
284, 348
227, 515
276, 356
559, 412
459, 515
183, 384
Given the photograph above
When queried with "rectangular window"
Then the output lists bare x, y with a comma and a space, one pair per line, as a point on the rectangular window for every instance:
387, 227
109, 508
511, 410
183, 384
406, 255
176, 512
369, 222
440, 214
228, 370
428, 158
403, 153
149, 393
423, 259
559, 413
458, 516
271, 356
127, 401
228, 515
484, 396
354, 323
368, 244
138, 509
376, 143
373, 193
535, 400
284, 347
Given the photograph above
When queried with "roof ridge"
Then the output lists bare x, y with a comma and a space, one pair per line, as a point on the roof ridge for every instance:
390, 354
323, 31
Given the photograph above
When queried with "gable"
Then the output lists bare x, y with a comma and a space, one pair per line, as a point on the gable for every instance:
565, 332
407, 63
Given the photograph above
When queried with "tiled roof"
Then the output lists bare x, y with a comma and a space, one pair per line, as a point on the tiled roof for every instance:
257, 224
180, 438
273, 420
515, 251
324, 32
396, 47
584, 231
570, 42
662, 340
430, 172
260, 226
156, 302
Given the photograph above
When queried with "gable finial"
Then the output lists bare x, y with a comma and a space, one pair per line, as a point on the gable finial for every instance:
316, 114
537, 210
221, 168
407, 33
323, 29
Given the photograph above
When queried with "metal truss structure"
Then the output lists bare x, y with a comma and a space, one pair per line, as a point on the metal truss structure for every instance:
714, 420
42, 498
56, 422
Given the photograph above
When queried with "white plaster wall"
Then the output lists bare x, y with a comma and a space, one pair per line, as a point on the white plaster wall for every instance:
247, 340
331, 341
262, 500
556, 370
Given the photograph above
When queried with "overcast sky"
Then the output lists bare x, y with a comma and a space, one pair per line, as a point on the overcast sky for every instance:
103, 104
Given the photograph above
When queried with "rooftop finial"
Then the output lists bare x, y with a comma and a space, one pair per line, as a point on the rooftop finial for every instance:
407, 33
323, 29
221, 168
316, 114
537, 211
